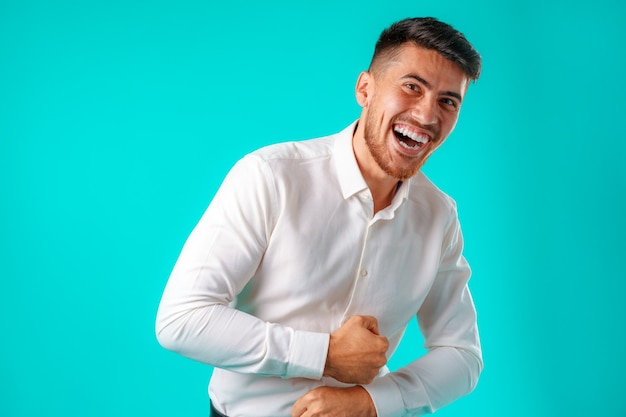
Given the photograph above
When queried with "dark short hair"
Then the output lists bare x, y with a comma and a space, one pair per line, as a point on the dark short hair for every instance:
430, 33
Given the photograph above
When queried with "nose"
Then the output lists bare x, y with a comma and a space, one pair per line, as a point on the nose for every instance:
425, 111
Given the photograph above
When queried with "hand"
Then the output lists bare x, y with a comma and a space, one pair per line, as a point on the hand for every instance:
356, 351
332, 402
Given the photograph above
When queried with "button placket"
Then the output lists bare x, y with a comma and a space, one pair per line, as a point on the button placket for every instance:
361, 281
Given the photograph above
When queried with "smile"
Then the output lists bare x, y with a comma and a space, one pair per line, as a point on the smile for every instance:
409, 138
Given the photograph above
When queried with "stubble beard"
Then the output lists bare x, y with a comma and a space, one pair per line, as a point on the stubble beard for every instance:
377, 145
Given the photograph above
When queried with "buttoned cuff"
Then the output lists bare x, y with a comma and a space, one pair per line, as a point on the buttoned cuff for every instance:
307, 358
386, 397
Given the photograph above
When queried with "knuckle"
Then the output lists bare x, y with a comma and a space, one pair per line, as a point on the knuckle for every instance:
385, 343
365, 319
315, 395
379, 361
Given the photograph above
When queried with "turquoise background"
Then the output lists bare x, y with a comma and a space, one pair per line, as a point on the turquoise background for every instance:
118, 121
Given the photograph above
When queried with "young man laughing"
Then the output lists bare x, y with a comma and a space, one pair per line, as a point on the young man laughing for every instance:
298, 282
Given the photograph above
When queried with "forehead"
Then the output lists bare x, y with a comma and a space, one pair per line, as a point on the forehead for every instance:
428, 64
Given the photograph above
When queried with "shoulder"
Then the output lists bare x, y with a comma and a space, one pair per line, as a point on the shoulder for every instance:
296, 150
424, 191
294, 166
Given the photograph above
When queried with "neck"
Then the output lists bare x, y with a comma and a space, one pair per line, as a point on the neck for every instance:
383, 196
382, 186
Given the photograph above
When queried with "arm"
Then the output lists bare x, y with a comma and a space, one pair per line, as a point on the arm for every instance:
218, 259
221, 255
447, 319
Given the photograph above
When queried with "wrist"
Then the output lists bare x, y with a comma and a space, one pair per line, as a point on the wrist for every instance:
328, 364
366, 404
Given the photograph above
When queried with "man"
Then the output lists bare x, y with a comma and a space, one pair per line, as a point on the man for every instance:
298, 282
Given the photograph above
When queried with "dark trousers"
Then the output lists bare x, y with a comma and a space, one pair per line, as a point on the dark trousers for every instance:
215, 413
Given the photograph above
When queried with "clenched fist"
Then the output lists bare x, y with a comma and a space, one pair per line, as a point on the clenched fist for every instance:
356, 351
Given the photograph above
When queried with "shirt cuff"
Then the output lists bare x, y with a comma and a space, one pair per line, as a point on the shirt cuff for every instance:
386, 397
307, 358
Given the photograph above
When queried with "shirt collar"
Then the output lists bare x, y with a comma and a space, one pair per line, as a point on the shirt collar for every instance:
348, 171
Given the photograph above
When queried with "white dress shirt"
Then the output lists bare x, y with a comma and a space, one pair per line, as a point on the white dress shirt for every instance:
288, 249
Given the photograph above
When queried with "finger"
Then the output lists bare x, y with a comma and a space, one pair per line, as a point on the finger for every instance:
298, 409
371, 324
298, 413
385, 342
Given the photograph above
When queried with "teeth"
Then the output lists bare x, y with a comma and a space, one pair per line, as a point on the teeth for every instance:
410, 134
407, 146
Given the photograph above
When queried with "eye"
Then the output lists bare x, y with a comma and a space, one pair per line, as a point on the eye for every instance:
413, 87
453, 104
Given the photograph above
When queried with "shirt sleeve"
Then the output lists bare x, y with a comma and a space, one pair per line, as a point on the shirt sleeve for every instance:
453, 362
195, 317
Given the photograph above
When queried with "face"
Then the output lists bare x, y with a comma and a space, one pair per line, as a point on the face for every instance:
410, 106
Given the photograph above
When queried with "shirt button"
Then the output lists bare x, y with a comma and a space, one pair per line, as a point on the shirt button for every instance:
363, 272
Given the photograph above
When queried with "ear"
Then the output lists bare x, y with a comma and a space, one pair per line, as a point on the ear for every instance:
363, 87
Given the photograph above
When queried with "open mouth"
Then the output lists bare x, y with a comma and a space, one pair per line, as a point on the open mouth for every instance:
408, 138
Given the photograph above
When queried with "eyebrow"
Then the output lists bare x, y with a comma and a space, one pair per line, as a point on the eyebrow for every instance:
427, 85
